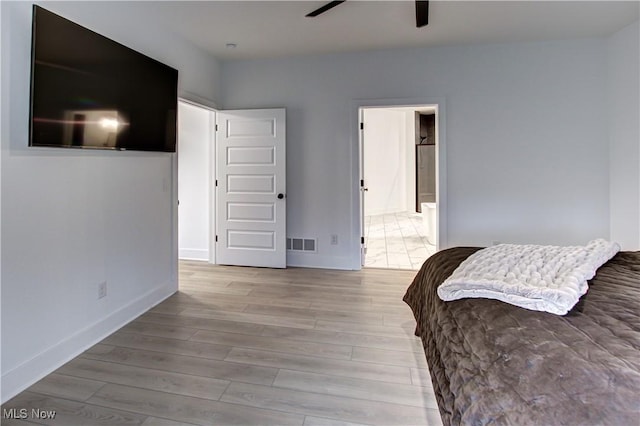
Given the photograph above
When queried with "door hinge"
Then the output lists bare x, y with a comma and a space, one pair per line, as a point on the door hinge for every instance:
216, 238
216, 127
361, 126
216, 182
361, 240
362, 182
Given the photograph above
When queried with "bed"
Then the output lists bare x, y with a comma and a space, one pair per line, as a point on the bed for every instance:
495, 363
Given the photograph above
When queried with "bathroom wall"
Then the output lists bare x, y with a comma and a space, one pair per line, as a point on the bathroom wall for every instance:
426, 158
426, 172
385, 161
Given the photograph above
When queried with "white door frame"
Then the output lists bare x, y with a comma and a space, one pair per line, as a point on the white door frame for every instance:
356, 156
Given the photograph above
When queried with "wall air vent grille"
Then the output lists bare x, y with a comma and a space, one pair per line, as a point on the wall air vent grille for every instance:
301, 244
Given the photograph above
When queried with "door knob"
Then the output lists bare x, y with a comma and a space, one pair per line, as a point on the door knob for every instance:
280, 196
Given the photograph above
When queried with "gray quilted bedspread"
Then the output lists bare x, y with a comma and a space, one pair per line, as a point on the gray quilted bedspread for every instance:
494, 363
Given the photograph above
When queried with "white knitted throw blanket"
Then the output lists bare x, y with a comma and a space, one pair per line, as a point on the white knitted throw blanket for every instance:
540, 278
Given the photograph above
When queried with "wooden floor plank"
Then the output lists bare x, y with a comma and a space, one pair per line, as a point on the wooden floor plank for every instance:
202, 300
202, 323
213, 288
316, 294
156, 421
340, 408
162, 344
195, 296
354, 286
340, 338
16, 422
274, 344
372, 390
386, 373
188, 409
387, 308
71, 413
190, 365
146, 378
151, 329
61, 386
249, 318
393, 331
367, 317
319, 421
382, 356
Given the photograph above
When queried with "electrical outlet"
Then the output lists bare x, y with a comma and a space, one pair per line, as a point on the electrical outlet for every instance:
334, 239
102, 289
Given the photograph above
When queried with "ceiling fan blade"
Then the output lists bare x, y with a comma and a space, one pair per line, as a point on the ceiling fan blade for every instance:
422, 13
324, 8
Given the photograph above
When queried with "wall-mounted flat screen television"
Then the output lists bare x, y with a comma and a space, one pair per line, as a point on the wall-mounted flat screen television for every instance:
88, 91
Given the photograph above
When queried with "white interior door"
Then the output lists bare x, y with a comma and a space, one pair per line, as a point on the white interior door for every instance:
251, 188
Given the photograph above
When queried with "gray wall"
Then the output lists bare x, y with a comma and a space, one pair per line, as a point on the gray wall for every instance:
527, 137
72, 218
624, 136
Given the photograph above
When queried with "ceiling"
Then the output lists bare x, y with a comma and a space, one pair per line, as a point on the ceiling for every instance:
263, 29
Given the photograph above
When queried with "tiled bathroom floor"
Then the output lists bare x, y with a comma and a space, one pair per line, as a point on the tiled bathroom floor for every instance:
396, 241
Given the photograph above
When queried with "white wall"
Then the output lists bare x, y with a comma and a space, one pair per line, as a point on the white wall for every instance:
195, 144
74, 218
385, 161
624, 136
526, 137
389, 160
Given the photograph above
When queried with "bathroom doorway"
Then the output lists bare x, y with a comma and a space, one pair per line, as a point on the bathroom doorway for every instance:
399, 185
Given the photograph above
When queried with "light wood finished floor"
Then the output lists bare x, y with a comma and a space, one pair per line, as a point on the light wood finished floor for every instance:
252, 346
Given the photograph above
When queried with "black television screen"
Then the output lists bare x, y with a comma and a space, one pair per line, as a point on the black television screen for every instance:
88, 91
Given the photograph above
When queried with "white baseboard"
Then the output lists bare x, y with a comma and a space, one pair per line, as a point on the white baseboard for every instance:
193, 254
34, 369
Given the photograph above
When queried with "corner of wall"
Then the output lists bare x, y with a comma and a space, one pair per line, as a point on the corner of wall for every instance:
32, 370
